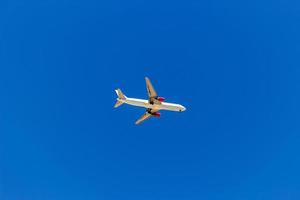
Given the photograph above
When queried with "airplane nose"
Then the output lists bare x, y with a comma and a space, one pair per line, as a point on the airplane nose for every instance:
183, 109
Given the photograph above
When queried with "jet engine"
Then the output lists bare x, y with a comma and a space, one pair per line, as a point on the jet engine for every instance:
161, 99
156, 114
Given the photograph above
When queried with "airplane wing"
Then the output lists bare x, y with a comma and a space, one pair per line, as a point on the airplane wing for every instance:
151, 92
150, 89
145, 116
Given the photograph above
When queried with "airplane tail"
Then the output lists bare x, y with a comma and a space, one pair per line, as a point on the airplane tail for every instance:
121, 97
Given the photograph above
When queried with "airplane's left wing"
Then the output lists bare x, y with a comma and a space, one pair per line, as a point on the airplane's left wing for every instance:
145, 116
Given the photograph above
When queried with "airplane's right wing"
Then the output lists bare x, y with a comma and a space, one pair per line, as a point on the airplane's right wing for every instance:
150, 89
151, 92
145, 116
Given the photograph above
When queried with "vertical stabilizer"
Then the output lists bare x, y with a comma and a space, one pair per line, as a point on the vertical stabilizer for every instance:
120, 94
120, 98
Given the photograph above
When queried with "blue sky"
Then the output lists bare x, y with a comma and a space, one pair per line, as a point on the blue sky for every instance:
233, 64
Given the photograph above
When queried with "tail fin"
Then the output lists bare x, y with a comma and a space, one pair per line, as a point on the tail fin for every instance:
120, 94
121, 97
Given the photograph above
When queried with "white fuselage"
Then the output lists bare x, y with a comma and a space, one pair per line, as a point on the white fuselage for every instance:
145, 103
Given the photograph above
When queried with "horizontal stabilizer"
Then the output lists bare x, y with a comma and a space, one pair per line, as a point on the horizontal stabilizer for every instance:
118, 103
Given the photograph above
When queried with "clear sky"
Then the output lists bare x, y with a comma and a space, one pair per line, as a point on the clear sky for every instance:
234, 64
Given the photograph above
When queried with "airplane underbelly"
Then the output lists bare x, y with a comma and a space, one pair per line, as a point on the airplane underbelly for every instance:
163, 106
137, 103
146, 104
171, 107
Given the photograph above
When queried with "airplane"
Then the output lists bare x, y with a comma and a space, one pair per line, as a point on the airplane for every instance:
152, 105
